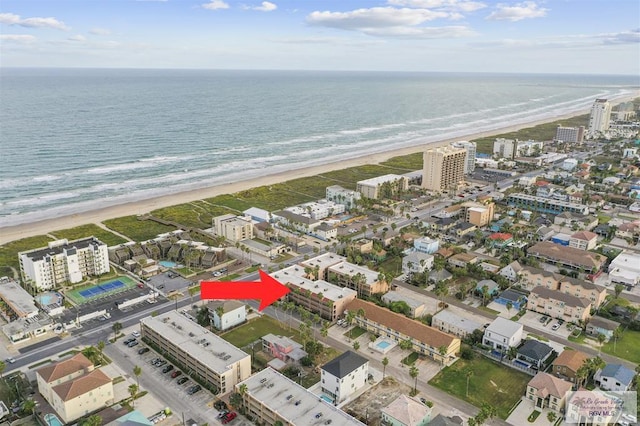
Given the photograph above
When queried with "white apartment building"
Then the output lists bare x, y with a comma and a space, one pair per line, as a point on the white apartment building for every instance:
317, 209
212, 359
443, 168
63, 262
510, 148
416, 261
344, 375
382, 186
503, 334
233, 228
226, 314
600, 116
343, 196
625, 268
470, 159
454, 324
570, 134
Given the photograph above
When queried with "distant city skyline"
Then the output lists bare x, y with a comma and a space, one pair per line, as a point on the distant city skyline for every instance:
541, 36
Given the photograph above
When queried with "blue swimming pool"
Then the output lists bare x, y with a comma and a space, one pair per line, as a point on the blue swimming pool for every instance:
52, 420
168, 264
383, 344
522, 363
327, 399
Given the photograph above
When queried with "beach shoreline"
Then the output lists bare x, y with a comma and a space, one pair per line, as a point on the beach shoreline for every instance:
42, 227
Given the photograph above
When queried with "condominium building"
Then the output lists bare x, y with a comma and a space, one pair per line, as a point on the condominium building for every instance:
270, 397
63, 262
478, 214
343, 196
443, 168
359, 278
233, 228
557, 304
319, 264
317, 209
200, 352
74, 388
451, 323
504, 148
428, 341
544, 204
531, 277
625, 268
320, 297
600, 116
570, 134
567, 256
16, 302
344, 375
470, 158
382, 186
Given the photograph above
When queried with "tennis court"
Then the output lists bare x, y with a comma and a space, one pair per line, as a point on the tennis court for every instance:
96, 291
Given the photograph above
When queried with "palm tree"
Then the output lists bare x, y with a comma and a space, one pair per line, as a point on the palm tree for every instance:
116, 327
133, 391
442, 350
324, 331
356, 345
93, 420
582, 374
350, 317
441, 292
28, 406
616, 336
601, 338
100, 345
509, 306
137, 371
193, 290
220, 313
414, 372
485, 295
385, 362
468, 373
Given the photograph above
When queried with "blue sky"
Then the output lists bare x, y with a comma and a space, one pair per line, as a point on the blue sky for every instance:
539, 36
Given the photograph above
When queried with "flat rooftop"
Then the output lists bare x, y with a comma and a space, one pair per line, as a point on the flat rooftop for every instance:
323, 261
218, 354
59, 246
20, 301
328, 290
462, 323
380, 179
292, 402
352, 269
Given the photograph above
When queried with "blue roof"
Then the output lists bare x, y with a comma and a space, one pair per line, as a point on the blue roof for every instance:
133, 418
621, 373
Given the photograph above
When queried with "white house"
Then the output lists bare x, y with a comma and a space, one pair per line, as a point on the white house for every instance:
233, 313
625, 268
344, 375
503, 334
614, 377
511, 271
426, 245
406, 411
416, 261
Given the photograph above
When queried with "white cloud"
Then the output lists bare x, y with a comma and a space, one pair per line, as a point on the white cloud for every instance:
215, 5
77, 37
266, 6
99, 31
13, 19
570, 41
463, 6
421, 32
517, 12
373, 17
17, 38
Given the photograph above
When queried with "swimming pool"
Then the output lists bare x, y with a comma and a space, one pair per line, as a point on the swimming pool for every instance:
522, 363
326, 398
52, 420
383, 344
168, 264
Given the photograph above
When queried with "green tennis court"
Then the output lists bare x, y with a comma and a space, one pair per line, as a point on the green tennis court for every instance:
102, 289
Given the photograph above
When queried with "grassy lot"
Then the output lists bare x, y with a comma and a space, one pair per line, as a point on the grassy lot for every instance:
89, 230
411, 358
491, 383
255, 329
348, 177
541, 132
229, 201
355, 332
626, 347
409, 162
392, 266
491, 311
9, 252
197, 214
273, 197
136, 229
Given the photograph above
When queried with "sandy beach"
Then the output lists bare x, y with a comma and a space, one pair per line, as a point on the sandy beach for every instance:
12, 233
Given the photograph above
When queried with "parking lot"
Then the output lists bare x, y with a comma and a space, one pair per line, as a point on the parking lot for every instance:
532, 319
167, 282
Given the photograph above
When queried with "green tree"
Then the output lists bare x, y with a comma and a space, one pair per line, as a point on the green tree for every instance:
551, 416
236, 400
137, 371
618, 290
202, 316
442, 291
100, 346
385, 362
133, 391
28, 406
324, 331
356, 345
601, 338
93, 420
509, 307
3, 366
414, 372
116, 327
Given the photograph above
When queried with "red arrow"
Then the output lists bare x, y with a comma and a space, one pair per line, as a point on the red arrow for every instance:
268, 290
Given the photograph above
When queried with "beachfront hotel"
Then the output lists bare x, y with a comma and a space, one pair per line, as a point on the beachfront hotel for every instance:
443, 168
569, 134
233, 228
63, 262
382, 186
200, 352
600, 116
470, 159
343, 196
270, 397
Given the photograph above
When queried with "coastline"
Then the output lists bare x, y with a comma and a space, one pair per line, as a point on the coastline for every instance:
24, 230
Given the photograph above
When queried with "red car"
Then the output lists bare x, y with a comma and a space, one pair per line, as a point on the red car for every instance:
230, 416
140, 285
176, 373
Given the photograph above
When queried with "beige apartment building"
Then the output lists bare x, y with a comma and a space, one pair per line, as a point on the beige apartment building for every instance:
443, 168
533, 277
74, 388
359, 278
382, 186
202, 353
478, 214
233, 228
559, 305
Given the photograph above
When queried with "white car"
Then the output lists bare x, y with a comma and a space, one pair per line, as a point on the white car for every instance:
135, 334
10, 360
555, 326
630, 417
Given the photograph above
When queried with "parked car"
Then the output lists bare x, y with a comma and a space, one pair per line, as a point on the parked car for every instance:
10, 360
133, 343
176, 373
143, 351
194, 389
228, 417
155, 361
126, 342
160, 363
136, 334
182, 380
223, 413
220, 405
167, 368
555, 326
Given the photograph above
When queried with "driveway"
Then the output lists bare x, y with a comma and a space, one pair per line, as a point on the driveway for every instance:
520, 415
532, 319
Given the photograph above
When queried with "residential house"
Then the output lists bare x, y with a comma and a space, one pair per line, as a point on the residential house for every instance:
425, 340
442, 275
625, 269
503, 334
535, 353
454, 324
500, 239
343, 376
599, 325
325, 231
511, 271
567, 256
283, 348
441, 420
628, 230
426, 245
443, 224
614, 377
74, 388
417, 262
517, 299
300, 223
406, 411
464, 228
461, 260
547, 391
417, 308
583, 240
492, 287
226, 314
559, 305
566, 365
577, 413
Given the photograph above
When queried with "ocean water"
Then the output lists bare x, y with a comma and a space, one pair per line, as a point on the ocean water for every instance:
77, 139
